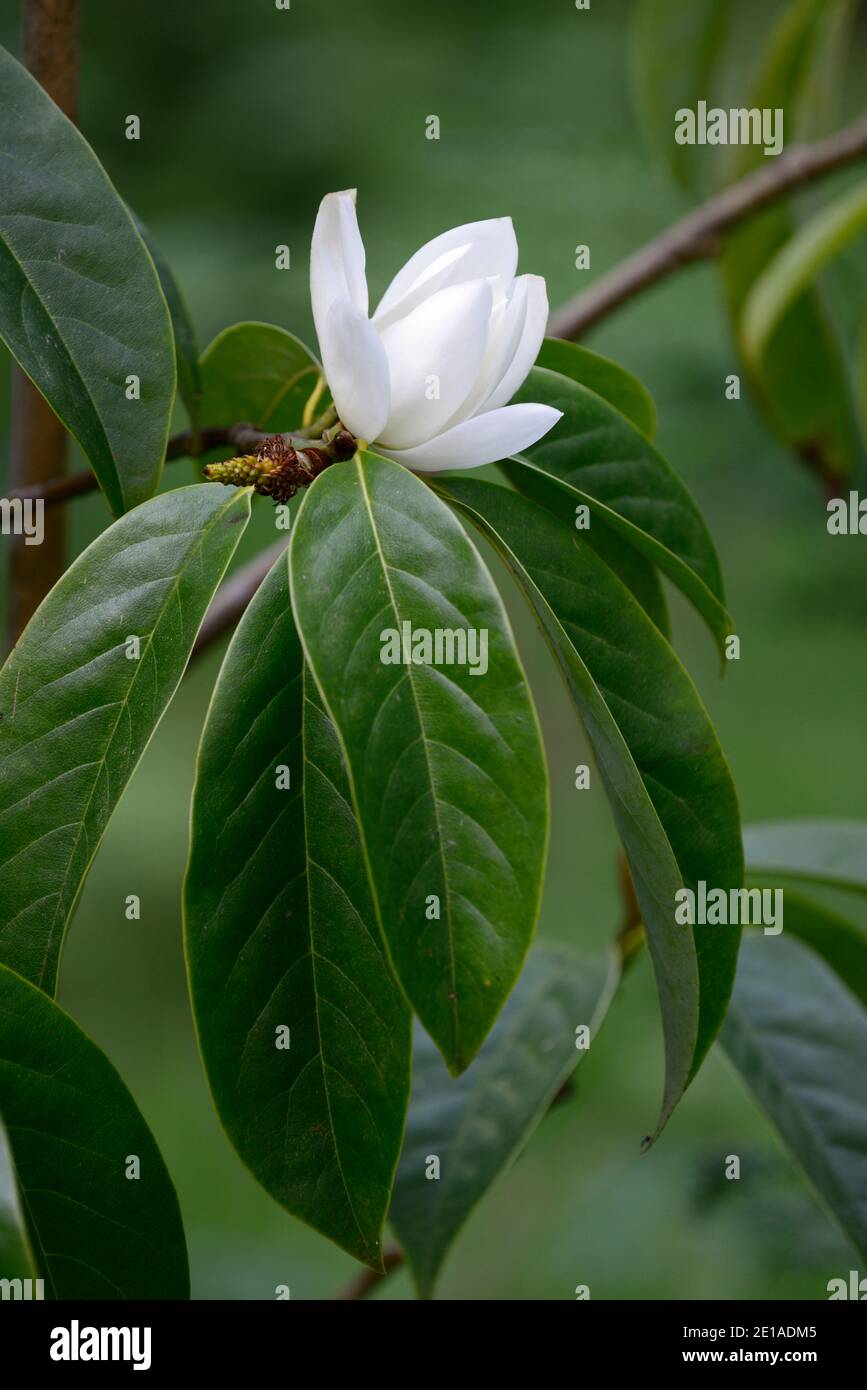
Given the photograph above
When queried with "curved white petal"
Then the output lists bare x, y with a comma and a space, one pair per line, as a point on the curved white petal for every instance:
508, 321
522, 331
472, 252
484, 439
336, 259
434, 355
356, 369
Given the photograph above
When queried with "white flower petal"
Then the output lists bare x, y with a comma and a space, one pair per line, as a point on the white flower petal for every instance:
484, 439
336, 258
523, 329
356, 369
434, 355
472, 252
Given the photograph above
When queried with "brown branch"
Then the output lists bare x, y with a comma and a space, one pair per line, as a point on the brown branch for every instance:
368, 1279
49, 49
187, 444
233, 597
697, 236
243, 438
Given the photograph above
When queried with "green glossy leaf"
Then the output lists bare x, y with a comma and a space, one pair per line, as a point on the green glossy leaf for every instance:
670, 790
797, 264
446, 766
77, 707
281, 932
80, 304
257, 373
476, 1125
608, 379
802, 380
602, 461
73, 1128
16, 1254
677, 49
799, 1039
637, 573
824, 851
186, 348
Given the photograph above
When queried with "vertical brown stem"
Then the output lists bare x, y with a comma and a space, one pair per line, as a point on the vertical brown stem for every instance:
50, 50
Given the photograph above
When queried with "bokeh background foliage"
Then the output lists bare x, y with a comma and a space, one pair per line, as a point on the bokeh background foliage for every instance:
249, 115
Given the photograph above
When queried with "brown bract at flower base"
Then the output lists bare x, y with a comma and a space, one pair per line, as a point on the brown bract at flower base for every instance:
279, 468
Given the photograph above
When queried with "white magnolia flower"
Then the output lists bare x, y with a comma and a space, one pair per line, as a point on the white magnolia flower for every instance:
428, 377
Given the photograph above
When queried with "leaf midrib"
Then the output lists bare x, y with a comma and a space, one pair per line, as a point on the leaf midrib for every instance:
453, 1002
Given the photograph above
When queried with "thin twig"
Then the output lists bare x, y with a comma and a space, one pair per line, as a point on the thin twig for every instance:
368, 1279
187, 444
697, 236
243, 438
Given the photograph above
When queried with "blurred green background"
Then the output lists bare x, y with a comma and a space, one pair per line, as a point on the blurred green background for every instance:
249, 115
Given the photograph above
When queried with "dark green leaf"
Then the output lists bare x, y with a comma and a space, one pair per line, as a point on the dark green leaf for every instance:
603, 462
476, 1125
77, 707
281, 932
445, 761
824, 851
658, 757
637, 573
80, 304
799, 1040
608, 379
677, 49
257, 373
73, 1129
16, 1254
186, 348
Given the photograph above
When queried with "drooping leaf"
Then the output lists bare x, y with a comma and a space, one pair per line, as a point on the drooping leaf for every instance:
799, 1039
802, 380
822, 94
638, 574
258, 373
841, 941
606, 464
823, 851
607, 378
16, 1254
445, 760
477, 1124
796, 266
281, 934
80, 304
79, 701
186, 347
670, 790
677, 49
96, 1231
